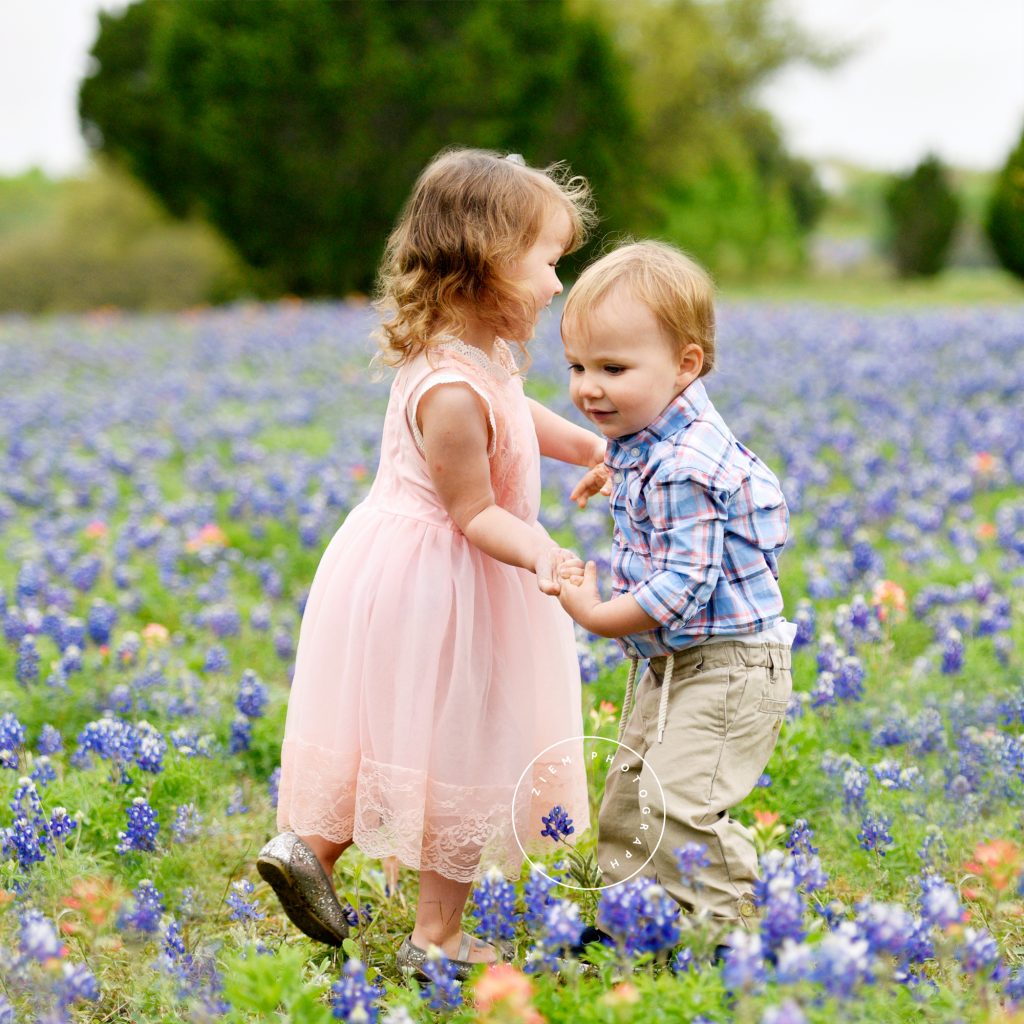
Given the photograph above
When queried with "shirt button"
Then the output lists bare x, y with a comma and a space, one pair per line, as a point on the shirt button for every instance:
617, 477
635, 452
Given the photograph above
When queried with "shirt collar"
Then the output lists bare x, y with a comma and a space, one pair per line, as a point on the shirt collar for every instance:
625, 452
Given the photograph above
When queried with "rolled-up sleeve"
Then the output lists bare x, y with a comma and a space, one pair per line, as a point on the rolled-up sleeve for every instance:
687, 523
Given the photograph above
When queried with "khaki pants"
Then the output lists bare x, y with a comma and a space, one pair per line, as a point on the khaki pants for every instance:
726, 704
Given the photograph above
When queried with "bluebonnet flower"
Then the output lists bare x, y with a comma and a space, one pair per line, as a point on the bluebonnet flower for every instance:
684, 962
77, 983
100, 622
222, 620
764, 781
12, 736
557, 824
443, 991
73, 633
22, 842
142, 829
237, 804
355, 918
887, 927
828, 654
893, 775
240, 737
855, 784
50, 740
841, 961
952, 652
243, 909
978, 952
187, 825
216, 659
787, 1012
537, 897
495, 903
144, 910
801, 837
823, 694
259, 617
690, 859
743, 967
273, 784
353, 997
589, 670
640, 915
7, 1015
940, 904
874, 834
150, 747
284, 645
805, 622
928, 732
849, 681
253, 695
27, 668
794, 962
894, 730
61, 824
1014, 988
933, 848
38, 939
560, 930
782, 907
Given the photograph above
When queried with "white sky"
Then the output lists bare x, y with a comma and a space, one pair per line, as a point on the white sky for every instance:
939, 75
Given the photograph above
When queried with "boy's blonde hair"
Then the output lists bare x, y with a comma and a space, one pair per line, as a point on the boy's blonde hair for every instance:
472, 213
676, 289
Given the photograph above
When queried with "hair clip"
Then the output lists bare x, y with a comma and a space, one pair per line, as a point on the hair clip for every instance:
516, 158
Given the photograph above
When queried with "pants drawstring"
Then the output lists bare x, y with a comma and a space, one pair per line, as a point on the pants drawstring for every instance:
670, 664
627, 699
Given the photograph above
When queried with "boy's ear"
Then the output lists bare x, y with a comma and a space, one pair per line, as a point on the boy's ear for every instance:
691, 362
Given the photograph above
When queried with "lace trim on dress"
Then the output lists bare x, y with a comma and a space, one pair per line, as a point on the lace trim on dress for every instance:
501, 368
442, 377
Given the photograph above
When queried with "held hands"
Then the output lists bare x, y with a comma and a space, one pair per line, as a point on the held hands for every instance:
579, 595
555, 566
597, 480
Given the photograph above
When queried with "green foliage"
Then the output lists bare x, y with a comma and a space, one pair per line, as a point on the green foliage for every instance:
923, 213
1005, 221
26, 200
718, 179
104, 241
298, 126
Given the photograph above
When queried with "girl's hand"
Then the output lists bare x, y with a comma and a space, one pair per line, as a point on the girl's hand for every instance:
597, 480
556, 565
580, 598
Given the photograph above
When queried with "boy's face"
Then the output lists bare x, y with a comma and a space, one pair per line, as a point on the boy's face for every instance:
623, 369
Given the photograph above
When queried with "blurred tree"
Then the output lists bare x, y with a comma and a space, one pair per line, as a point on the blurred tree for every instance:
103, 240
298, 126
923, 212
718, 180
1005, 221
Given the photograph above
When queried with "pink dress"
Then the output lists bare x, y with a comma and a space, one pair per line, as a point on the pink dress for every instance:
435, 709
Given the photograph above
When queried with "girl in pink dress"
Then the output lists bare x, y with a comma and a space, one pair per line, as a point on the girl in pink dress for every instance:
436, 696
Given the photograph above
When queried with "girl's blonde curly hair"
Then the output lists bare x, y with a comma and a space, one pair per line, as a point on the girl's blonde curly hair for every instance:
471, 215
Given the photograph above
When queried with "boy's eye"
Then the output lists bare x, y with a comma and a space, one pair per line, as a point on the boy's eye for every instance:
613, 369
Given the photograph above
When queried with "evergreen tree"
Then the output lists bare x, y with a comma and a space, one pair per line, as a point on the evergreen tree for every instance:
923, 213
1005, 222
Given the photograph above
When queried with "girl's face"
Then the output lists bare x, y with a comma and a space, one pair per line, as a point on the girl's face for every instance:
536, 267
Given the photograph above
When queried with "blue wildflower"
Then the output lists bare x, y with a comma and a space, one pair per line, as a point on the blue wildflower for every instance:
443, 990
978, 953
50, 740
495, 902
27, 668
253, 695
690, 859
142, 829
353, 997
557, 824
743, 966
243, 909
874, 834
952, 652
144, 910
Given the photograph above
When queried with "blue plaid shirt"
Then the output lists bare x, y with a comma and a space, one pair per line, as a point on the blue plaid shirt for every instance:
699, 520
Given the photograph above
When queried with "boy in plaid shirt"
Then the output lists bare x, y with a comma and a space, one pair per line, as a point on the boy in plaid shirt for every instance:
699, 521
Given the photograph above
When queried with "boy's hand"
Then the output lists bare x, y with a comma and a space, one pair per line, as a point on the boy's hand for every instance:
554, 566
597, 480
580, 596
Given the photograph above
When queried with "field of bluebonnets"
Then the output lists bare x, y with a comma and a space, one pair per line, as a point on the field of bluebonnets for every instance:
168, 484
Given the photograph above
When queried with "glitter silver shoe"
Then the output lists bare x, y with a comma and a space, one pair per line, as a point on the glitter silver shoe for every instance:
410, 958
302, 886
